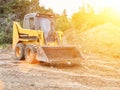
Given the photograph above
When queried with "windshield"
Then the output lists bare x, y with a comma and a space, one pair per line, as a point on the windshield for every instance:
43, 24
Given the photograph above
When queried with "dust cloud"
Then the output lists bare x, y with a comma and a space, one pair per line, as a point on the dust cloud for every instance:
102, 39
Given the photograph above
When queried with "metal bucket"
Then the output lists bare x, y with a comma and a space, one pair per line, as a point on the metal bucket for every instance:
58, 54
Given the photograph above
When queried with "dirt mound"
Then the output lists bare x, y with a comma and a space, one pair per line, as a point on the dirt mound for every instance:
103, 39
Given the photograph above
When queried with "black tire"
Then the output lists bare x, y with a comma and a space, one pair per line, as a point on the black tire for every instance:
30, 54
19, 51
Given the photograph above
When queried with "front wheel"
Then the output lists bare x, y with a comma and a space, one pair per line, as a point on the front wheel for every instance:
19, 51
30, 54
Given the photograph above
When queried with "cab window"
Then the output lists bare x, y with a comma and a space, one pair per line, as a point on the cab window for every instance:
31, 22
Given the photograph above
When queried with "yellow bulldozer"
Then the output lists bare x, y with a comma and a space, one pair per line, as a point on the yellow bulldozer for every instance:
38, 41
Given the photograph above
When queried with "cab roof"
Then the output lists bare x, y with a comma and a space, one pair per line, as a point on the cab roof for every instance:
38, 15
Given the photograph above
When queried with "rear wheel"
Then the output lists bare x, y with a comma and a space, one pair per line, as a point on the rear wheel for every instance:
30, 54
19, 51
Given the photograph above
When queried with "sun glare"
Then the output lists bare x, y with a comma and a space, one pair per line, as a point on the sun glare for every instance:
99, 5
115, 5
72, 6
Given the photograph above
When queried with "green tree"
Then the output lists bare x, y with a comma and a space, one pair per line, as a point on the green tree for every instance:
62, 22
84, 18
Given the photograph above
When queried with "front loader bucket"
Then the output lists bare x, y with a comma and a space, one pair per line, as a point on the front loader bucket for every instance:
58, 54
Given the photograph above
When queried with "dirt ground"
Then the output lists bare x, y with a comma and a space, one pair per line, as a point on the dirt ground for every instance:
96, 72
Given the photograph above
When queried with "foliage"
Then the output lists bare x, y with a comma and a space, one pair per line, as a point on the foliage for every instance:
62, 22
86, 19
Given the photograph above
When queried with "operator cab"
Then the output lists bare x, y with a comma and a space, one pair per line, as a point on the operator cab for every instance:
44, 22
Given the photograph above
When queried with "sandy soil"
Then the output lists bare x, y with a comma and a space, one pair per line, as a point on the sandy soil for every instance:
96, 72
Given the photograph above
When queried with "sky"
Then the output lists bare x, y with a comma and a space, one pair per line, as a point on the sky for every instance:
59, 5
73, 6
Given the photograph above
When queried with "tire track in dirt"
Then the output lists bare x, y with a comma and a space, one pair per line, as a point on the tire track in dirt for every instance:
93, 73
101, 80
37, 74
105, 67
